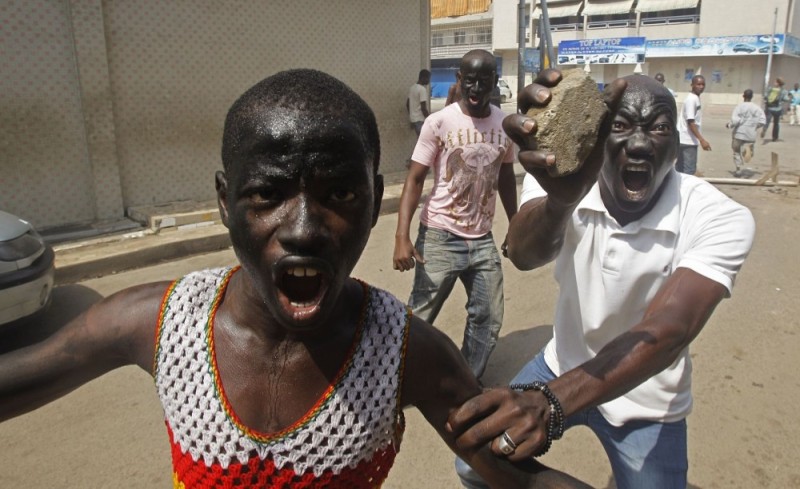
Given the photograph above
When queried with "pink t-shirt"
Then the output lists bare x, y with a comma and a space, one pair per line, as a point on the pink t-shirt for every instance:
465, 154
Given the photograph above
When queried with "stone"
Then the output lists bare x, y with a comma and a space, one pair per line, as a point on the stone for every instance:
568, 125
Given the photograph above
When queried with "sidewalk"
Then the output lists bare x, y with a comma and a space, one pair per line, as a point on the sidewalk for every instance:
185, 228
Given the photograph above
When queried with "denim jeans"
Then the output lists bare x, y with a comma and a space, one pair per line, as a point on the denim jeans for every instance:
687, 159
476, 263
775, 118
643, 454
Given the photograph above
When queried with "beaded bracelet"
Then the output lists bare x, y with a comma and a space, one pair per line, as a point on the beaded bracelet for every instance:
555, 425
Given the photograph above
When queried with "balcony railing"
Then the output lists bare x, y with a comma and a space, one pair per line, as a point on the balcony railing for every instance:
678, 19
457, 50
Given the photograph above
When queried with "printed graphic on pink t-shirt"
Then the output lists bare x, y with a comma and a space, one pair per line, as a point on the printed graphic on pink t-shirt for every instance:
465, 154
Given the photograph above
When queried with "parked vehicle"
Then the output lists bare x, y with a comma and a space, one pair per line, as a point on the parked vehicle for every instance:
765, 49
27, 269
505, 91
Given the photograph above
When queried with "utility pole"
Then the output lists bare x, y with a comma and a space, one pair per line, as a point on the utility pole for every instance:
521, 47
769, 55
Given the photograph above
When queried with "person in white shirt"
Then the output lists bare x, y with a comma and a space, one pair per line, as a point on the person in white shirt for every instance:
643, 256
746, 119
417, 103
689, 123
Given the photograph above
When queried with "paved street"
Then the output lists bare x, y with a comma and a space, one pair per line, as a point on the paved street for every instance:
743, 432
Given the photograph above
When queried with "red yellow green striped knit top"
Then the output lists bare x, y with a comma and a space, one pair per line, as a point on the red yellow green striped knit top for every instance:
348, 439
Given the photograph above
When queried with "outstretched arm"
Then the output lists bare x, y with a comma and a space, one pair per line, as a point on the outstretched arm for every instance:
673, 319
437, 380
117, 331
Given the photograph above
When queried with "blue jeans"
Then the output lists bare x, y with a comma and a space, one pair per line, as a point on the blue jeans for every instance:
687, 159
476, 263
643, 454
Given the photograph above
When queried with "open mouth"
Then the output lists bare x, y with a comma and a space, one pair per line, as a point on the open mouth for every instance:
636, 178
474, 99
302, 289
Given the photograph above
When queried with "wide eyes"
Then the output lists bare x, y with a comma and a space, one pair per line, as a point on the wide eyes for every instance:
662, 127
342, 195
265, 195
620, 125
659, 127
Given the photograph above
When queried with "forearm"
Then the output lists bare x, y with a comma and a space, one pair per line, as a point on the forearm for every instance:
673, 319
34, 376
696, 131
536, 233
623, 364
409, 200
507, 188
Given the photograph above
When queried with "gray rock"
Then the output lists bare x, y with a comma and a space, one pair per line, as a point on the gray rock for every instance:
568, 125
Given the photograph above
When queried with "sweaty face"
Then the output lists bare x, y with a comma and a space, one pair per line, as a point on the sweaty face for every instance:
300, 203
478, 76
639, 152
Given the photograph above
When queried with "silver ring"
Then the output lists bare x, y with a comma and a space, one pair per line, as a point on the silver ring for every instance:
506, 444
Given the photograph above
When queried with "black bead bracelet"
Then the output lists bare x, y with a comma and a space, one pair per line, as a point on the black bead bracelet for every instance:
555, 425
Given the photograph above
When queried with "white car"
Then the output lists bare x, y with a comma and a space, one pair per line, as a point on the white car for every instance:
27, 269
505, 91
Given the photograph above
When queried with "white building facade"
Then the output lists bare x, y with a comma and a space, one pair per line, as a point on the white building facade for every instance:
727, 41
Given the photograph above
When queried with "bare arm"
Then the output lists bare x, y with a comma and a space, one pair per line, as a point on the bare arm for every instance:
673, 319
117, 331
696, 131
404, 252
423, 106
507, 188
437, 380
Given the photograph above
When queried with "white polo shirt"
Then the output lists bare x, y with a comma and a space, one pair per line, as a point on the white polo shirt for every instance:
608, 274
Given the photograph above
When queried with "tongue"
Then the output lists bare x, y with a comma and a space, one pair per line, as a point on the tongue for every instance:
301, 289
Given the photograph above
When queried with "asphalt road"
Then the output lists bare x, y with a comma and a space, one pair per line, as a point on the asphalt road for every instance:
743, 431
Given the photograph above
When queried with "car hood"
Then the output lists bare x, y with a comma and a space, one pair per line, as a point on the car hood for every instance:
12, 227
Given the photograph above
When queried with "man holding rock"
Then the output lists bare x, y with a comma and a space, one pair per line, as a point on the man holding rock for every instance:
643, 256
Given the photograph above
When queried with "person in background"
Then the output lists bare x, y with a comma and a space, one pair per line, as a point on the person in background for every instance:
418, 101
689, 124
471, 158
746, 119
661, 79
774, 98
453, 93
793, 107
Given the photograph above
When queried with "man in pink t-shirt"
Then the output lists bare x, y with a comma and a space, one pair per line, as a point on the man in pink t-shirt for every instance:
472, 158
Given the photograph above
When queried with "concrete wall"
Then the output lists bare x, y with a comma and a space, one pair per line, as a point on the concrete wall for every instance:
110, 104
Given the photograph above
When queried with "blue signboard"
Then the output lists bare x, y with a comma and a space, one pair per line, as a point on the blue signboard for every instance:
754, 44
619, 50
791, 46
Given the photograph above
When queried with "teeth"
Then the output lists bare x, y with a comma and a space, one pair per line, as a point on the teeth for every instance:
635, 167
302, 272
301, 304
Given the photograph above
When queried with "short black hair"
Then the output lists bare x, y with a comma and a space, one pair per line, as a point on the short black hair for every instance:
307, 90
748, 94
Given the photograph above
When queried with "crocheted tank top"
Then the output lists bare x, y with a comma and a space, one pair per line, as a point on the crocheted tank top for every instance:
348, 439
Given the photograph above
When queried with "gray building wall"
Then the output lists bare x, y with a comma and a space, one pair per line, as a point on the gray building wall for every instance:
110, 104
